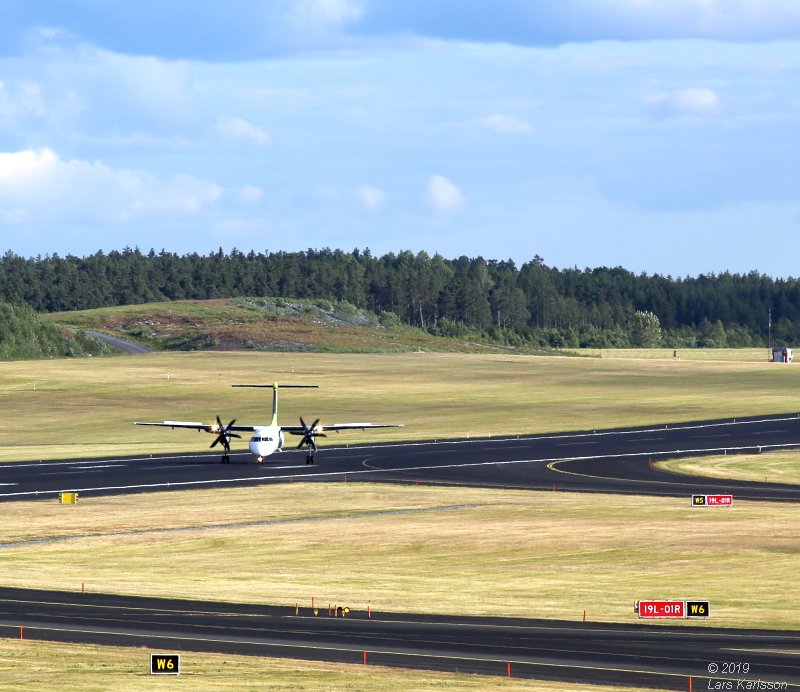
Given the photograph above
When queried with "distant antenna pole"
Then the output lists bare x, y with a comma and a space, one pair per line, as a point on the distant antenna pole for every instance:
769, 331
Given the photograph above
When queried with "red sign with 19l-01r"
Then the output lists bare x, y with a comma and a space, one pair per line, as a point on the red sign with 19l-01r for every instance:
662, 609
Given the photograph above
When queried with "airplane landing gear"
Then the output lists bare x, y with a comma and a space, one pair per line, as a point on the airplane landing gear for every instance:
225, 459
310, 459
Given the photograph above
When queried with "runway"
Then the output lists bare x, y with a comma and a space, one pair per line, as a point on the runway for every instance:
616, 461
652, 656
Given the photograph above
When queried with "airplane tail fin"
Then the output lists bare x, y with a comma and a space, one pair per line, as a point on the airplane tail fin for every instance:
275, 386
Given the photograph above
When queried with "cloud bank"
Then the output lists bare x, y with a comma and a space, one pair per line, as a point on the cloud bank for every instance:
695, 102
38, 184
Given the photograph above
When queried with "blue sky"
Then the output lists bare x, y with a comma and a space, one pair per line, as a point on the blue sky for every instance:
659, 135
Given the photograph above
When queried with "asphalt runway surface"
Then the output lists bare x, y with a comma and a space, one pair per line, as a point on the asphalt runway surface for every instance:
652, 656
592, 461
619, 461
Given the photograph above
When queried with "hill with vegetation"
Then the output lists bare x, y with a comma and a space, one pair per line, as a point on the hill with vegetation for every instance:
533, 306
266, 324
24, 335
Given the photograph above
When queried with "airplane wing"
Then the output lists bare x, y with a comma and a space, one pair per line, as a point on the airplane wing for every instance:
207, 427
336, 427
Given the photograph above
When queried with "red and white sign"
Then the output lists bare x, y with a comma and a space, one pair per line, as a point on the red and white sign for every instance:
719, 500
662, 609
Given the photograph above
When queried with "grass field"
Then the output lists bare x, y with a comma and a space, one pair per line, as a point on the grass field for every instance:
729, 355
84, 408
772, 467
416, 548
43, 665
551, 554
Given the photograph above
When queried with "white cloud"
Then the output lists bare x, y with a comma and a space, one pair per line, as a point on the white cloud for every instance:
18, 170
697, 103
49, 33
239, 128
316, 14
717, 19
21, 102
141, 92
251, 194
444, 195
77, 88
506, 125
371, 197
37, 184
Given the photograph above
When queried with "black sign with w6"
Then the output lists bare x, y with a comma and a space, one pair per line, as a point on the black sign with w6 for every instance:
165, 664
698, 609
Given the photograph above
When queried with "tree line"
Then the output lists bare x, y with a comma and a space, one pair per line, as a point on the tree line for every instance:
532, 304
24, 336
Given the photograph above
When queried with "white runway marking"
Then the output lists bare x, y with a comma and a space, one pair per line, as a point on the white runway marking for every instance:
171, 467
99, 466
74, 472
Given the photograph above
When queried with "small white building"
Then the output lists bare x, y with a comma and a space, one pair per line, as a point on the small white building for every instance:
781, 354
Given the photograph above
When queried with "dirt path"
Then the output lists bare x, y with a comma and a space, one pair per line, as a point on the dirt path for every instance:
121, 344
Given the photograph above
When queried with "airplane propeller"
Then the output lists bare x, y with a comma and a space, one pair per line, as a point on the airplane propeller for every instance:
309, 433
225, 435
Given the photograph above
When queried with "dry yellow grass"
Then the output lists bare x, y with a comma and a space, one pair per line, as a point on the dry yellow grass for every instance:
552, 555
45, 665
772, 467
85, 408
729, 355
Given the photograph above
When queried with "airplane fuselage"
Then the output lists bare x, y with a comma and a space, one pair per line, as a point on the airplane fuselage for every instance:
266, 440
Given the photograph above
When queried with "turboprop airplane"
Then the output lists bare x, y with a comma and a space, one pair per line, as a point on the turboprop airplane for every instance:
268, 439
